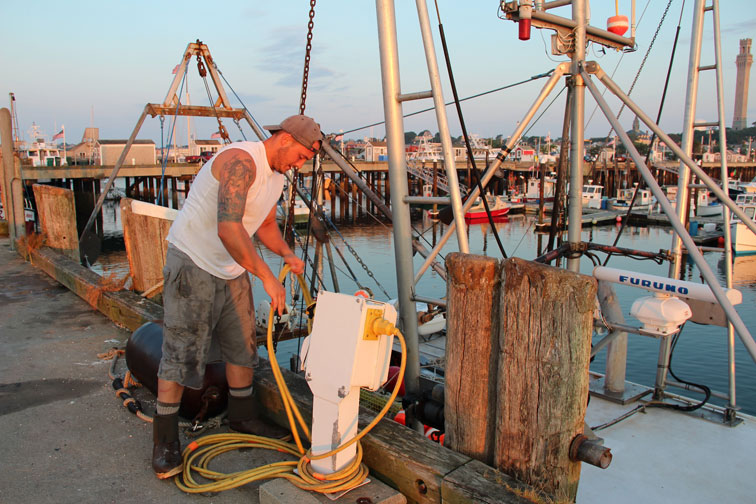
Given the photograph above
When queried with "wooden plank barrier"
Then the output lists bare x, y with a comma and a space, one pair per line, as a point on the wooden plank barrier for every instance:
57, 217
518, 350
145, 227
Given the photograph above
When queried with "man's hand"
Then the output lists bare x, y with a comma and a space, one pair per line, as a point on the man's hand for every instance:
277, 293
295, 263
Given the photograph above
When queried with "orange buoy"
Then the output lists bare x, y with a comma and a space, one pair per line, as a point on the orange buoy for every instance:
619, 219
435, 435
617, 24
399, 417
720, 241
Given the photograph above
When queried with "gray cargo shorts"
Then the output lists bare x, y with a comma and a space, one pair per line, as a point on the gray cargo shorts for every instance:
205, 318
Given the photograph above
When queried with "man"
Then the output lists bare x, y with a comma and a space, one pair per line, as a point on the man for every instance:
207, 295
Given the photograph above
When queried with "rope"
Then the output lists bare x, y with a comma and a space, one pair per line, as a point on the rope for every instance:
198, 454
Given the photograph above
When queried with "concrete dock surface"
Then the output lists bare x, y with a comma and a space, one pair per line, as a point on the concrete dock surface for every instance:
66, 437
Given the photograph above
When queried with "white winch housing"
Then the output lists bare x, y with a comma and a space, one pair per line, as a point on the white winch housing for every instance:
340, 356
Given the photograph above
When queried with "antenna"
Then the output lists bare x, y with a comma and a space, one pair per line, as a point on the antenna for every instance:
14, 119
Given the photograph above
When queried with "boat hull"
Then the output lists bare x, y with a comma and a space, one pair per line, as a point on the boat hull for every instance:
709, 211
623, 208
743, 240
480, 215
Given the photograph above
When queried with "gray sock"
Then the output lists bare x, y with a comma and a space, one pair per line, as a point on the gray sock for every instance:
241, 392
167, 408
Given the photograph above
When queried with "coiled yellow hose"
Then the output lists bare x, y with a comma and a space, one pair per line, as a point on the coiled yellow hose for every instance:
198, 454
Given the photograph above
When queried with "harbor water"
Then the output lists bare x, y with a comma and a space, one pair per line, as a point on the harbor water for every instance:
700, 355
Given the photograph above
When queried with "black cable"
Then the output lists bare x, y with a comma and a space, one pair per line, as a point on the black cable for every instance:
467, 138
706, 390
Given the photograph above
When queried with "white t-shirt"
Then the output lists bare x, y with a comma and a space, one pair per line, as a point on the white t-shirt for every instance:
195, 230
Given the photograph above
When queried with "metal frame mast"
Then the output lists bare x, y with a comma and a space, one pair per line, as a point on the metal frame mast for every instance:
393, 99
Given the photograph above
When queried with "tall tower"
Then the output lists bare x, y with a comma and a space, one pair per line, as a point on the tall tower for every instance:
743, 62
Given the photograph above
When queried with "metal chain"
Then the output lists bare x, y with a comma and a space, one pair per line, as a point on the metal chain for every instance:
289, 231
306, 72
645, 57
367, 270
356, 256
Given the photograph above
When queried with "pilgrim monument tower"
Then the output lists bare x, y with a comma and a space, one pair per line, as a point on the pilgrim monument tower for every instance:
743, 62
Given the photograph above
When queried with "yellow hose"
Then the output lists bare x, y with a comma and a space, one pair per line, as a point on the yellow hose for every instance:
198, 454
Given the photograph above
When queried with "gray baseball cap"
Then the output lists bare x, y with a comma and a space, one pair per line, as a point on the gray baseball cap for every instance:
304, 129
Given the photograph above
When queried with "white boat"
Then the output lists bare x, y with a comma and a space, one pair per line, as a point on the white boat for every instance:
747, 187
481, 151
592, 195
643, 201
743, 240
301, 212
533, 191
424, 150
40, 152
704, 206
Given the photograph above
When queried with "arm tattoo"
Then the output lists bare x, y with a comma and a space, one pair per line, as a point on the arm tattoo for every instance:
236, 177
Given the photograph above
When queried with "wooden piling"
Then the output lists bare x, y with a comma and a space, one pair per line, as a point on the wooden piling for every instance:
471, 342
57, 218
544, 353
144, 237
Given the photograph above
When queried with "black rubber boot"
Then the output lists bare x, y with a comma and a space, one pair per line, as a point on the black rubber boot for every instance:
166, 450
243, 416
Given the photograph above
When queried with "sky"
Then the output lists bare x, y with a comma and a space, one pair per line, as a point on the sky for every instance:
97, 63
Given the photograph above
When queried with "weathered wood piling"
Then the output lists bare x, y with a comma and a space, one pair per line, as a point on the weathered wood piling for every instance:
518, 351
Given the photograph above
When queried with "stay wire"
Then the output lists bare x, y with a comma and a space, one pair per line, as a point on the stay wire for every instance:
616, 67
643, 62
170, 136
375, 217
478, 95
470, 156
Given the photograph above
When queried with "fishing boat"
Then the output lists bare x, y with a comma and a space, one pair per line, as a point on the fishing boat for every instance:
701, 206
656, 461
643, 201
592, 195
496, 204
743, 240
40, 151
301, 211
533, 189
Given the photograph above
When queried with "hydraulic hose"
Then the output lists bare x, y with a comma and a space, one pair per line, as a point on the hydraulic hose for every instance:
198, 454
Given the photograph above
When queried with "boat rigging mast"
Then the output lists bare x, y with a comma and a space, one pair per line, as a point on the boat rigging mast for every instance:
571, 38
